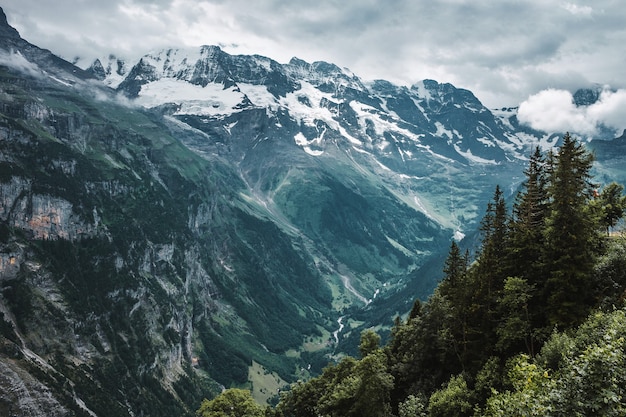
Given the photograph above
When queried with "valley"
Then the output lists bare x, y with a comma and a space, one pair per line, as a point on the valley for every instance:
194, 220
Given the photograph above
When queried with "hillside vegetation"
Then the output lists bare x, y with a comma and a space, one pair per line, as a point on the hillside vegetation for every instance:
531, 324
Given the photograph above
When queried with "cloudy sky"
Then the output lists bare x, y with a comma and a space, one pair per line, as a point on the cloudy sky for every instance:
533, 52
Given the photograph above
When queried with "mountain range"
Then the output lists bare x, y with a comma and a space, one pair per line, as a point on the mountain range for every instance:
195, 220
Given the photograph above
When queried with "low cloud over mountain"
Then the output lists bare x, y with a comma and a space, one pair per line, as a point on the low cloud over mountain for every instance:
556, 110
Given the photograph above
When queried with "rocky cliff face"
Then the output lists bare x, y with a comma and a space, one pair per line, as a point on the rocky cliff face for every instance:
41, 216
24, 394
70, 308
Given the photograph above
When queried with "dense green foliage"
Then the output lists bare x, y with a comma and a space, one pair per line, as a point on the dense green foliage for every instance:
582, 374
232, 402
350, 388
532, 326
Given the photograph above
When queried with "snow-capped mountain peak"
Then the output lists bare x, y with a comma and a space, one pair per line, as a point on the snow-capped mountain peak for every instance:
396, 132
208, 81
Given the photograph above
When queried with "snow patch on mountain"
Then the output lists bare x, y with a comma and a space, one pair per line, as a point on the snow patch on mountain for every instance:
371, 117
112, 69
504, 115
385, 107
420, 205
422, 91
381, 125
418, 104
514, 145
348, 136
443, 131
179, 63
193, 99
383, 166
302, 141
258, 95
486, 141
473, 158
305, 105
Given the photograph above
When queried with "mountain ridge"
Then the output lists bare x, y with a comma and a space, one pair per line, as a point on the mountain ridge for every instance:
324, 104
198, 67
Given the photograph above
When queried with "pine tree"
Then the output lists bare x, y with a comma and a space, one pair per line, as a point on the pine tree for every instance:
494, 228
527, 224
488, 274
455, 270
458, 291
525, 240
570, 236
612, 205
515, 331
472, 292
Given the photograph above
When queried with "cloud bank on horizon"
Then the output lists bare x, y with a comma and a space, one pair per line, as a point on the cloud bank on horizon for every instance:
534, 52
554, 110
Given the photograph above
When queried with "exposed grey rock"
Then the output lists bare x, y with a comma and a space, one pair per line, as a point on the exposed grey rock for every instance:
22, 394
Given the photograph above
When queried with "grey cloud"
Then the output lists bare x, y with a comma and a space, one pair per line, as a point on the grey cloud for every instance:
502, 50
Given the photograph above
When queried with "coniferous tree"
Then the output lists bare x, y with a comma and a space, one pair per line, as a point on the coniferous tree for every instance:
490, 265
515, 331
459, 293
455, 267
611, 204
487, 277
525, 244
422, 352
570, 236
455, 286
526, 228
